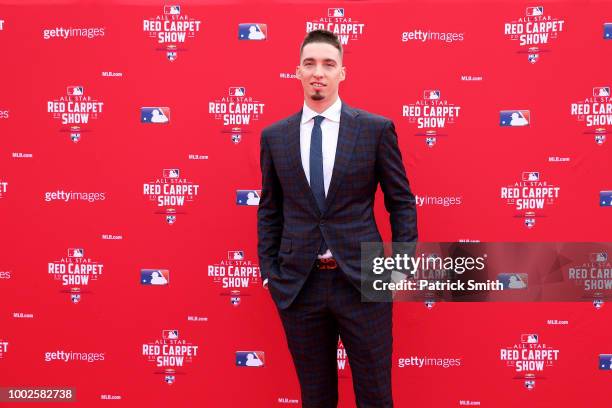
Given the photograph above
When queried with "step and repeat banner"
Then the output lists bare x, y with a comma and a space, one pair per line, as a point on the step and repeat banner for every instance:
129, 185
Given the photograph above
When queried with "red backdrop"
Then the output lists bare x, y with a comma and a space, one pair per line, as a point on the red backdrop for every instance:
458, 55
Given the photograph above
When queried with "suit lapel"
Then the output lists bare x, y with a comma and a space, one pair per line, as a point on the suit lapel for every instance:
295, 155
347, 137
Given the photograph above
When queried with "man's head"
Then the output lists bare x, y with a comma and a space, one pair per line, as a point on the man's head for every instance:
321, 69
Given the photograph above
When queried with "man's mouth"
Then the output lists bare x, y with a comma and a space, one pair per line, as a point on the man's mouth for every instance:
317, 85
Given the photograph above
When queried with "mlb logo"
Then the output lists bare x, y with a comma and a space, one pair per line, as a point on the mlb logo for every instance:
601, 91
530, 219
530, 384
335, 12
235, 255
171, 173
169, 379
598, 304
235, 297
154, 276
170, 219
529, 338
431, 94
430, 141
599, 257
237, 91
76, 252
252, 31
236, 135
607, 31
605, 198
534, 11
514, 118
533, 57
605, 362
533, 54
513, 280
155, 114
75, 90
75, 298
530, 176
248, 197
171, 53
75, 133
173, 10
170, 334
250, 359
429, 304
600, 139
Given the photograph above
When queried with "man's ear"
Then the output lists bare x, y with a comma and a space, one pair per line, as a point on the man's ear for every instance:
298, 73
342, 73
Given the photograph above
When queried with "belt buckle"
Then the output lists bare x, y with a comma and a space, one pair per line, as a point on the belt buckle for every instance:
327, 263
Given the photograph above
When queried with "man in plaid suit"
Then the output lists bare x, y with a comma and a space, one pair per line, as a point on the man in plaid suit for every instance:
320, 171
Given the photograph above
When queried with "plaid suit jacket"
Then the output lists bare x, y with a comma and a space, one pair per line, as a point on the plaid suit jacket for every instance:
289, 223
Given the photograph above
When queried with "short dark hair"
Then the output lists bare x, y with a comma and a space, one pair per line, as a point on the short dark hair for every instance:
322, 36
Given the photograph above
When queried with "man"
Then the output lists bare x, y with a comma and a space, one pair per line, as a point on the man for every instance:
320, 171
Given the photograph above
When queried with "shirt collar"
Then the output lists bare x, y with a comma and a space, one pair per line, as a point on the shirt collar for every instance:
332, 113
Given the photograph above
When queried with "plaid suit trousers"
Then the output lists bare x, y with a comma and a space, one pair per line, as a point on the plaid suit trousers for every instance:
329, 306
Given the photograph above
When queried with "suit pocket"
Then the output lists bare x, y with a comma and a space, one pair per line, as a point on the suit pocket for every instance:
285, 245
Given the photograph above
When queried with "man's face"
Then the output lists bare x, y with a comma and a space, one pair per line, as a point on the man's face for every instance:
320, 71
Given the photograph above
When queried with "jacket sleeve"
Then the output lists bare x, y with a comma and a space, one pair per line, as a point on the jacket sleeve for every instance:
399, 200
269, 213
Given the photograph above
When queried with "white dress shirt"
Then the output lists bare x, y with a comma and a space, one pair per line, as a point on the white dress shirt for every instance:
329, 128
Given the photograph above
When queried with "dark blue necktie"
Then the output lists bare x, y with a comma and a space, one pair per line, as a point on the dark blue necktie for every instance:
316, 168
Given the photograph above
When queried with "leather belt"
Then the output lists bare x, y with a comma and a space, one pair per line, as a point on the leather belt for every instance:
326, 263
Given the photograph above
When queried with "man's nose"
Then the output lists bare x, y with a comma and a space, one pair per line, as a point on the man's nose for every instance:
318, 71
